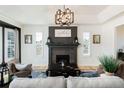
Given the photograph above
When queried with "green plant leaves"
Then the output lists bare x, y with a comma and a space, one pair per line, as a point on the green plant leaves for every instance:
109, 63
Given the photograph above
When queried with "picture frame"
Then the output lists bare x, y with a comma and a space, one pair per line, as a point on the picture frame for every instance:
62, 32
28, 39
96, 39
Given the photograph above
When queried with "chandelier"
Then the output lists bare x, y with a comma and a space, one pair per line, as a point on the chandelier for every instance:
64, 17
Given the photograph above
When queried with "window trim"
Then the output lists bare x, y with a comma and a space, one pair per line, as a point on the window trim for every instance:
7, 25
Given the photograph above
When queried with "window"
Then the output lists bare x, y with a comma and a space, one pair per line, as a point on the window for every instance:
39, 43
86, 43
11, 45
39, 37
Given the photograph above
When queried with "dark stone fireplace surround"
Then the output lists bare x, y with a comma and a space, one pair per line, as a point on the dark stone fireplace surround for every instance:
62, 50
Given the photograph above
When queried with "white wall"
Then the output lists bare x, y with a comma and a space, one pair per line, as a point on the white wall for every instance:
110, 33
96, 49
29, 50
9, 20
110, 12
108, 44
120, 37
0, 44
107, 30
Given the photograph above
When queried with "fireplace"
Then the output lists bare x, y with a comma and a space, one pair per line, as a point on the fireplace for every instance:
63, 60
67, 53
62, 52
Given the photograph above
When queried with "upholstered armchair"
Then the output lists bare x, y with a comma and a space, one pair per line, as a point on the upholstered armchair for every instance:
120, 71
100, 69
25, 72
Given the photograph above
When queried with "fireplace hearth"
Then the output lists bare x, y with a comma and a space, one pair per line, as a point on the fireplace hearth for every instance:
62, 53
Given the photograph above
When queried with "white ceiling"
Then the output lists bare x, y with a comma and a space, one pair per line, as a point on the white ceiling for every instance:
44, 14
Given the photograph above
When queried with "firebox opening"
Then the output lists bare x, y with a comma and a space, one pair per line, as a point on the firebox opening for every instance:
63, 60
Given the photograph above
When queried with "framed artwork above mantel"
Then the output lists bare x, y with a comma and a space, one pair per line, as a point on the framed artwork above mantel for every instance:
62, 32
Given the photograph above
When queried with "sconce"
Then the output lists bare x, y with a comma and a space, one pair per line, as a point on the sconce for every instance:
75, 40
48, 40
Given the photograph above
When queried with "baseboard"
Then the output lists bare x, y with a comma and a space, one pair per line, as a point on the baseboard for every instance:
87, 68
40, 67
82, 68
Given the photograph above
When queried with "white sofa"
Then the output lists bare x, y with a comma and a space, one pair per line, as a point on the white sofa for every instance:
70, 82
49, 82
96, 82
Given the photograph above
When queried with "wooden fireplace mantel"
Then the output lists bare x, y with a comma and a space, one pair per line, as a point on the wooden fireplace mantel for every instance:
62, 45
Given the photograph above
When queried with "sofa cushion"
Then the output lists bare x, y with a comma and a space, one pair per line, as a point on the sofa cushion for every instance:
96, 82
50, 82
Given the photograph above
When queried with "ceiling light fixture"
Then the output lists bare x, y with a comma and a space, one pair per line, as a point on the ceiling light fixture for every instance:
65, 17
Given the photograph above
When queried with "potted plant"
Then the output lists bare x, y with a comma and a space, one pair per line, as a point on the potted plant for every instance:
110, 64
